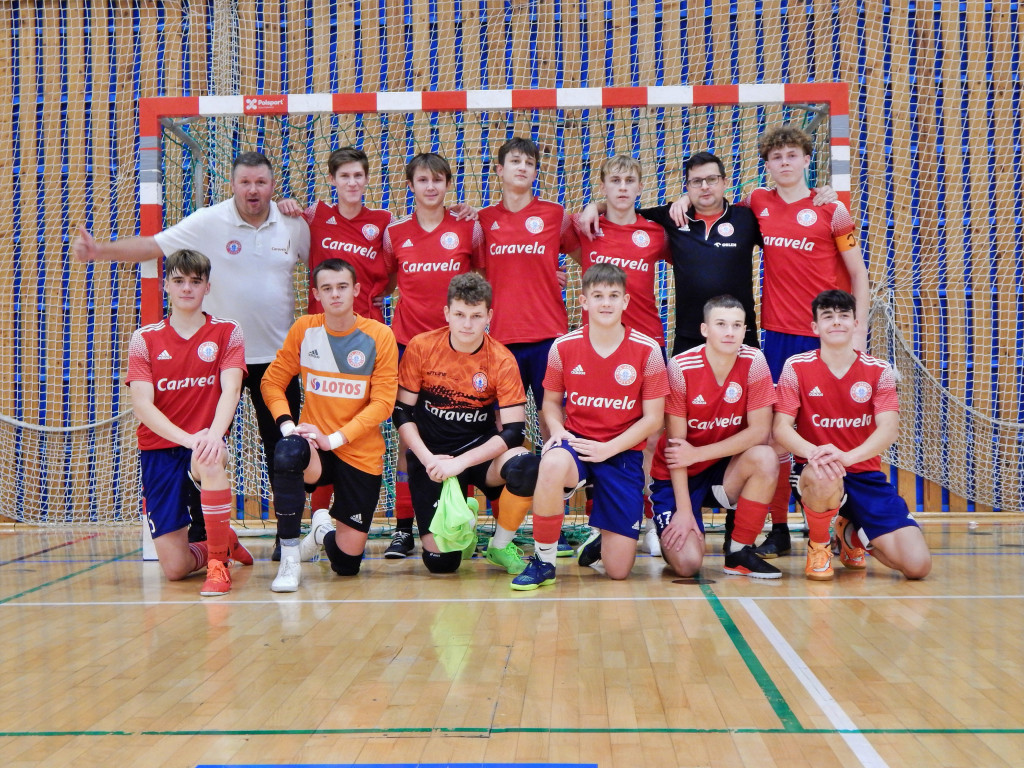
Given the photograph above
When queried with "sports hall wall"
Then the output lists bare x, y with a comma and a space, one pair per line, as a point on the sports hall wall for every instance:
935, 151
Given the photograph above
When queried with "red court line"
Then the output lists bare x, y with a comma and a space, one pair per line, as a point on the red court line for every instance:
49, 549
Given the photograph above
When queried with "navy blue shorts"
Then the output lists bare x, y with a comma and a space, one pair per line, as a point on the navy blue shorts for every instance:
618, 485
779, 347
168, 489
705, 491
871, 503
355, 492
532, 357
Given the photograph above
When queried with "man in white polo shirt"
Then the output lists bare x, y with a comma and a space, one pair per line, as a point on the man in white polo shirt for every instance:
253, 250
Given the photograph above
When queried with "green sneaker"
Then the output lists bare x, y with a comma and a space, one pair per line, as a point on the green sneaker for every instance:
470, 551
509, 557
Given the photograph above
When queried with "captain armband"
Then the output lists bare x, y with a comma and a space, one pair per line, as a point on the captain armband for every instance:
403, 414
513, 433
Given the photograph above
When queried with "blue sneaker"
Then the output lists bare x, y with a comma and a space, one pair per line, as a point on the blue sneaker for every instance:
590, 552
564, 547
537, 574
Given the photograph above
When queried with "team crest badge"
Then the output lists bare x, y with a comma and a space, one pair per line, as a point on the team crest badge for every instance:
207, 351
725, 229
860, 392
449, 241
233, 247
479, 381
534, 225
356, 358
370, 231
733, 392
641, 239
806, 217
625, 374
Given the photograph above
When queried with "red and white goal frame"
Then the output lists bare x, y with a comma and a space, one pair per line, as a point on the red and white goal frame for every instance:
153, 110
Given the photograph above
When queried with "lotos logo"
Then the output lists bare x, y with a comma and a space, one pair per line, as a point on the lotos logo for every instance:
641, 239
860, 392
370, 231
328, 387
806, 217
625, 374
725, 229
233, 247
535, 225
479, 381
356, 358
275, 105
207, 351
733, 392
449, 241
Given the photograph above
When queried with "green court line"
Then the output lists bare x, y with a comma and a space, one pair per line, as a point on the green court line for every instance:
771, 692
68, 576
484, 731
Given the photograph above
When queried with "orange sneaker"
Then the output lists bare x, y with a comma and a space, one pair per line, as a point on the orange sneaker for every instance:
852, 556
218, 580
819, 562
235, 549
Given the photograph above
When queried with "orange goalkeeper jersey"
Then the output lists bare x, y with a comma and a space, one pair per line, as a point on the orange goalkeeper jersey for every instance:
349, 383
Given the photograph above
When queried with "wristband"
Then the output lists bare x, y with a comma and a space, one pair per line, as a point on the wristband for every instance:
287, 427
336, 440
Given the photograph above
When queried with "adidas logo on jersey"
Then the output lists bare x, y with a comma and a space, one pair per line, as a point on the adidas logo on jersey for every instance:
763, 214
165, 355
815, 393
314, 353
332, 220
699, 400
578, 370
407, 244
495, 226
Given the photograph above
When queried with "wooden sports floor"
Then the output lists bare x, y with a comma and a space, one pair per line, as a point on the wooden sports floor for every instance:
104, 664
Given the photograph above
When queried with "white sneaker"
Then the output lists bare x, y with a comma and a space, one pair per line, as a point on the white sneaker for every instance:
652, 543
289, 573
309, 547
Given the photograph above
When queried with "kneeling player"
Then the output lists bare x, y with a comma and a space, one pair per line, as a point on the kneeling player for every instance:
715, 451
613, 383
837, 411
349, 367
450, 381
185, 377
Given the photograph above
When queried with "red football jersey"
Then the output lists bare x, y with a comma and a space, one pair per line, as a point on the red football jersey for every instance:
360, 242
521, 256
637, 248
837, 411
426, 262
713, 411
185, 373
604, 395
801, 258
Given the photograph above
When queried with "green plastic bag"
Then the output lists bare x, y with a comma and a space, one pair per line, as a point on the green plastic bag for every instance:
454, 523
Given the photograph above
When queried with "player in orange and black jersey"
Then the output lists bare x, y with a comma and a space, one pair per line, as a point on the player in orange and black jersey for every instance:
451, 381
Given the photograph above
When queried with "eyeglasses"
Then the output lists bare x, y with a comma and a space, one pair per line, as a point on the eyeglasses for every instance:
709, 180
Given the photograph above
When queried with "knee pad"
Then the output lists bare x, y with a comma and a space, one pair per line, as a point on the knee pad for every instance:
442, 562
520, 474
345, 565
292, 454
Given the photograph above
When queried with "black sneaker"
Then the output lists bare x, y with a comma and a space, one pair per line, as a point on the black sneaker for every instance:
775, 543
401, 546
590, 552
730, 522
746, 563
275, 556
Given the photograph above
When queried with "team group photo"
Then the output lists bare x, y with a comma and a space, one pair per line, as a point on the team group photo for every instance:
478, 386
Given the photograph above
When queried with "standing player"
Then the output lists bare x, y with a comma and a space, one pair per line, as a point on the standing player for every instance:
349, 369
716, 452
451, 381
423, 253
253, 249
837, 411
612, 380
185, 377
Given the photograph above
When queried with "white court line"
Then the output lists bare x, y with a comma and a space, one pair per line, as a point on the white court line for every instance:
857, 742
13, 602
